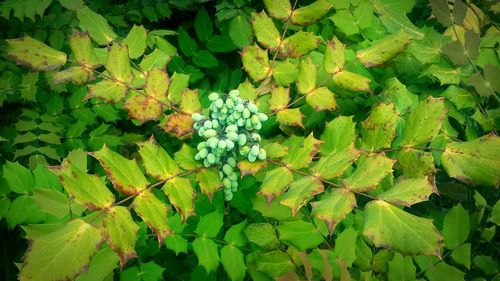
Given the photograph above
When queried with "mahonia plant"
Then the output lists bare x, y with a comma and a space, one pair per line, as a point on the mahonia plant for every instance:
230, 129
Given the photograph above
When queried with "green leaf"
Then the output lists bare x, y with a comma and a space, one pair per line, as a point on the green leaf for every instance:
4, 206
72, 4
459, 97
234, 235
19, 178
344, 20
462, 255
136, 41
424, 122
210, 224
290, 117
321, 99
256, 62
311, 13
279, 98
262, 234
233, 262
83, 51
300, 156
306, 81
334, 58
275, 182
495, 213
153, 212
401, 268
407, 234
333, 207
34, 54
102, 264
87, 190
180, 194
96, 25
156, 160
384, 49
487, 264
445, 75
118, 63
280, 9
416, 163
338, 135
125, 174
475, 161
157, 58
393, 19
187, 45
441, 11
209, 181
409, 191
300, 234
444, 272
275, 263
120, 231
300, 192
107, 90
203, 25
179, 84
62, 253
379, 129
206, 251
345, 246
395, 92
240, 31
176, 242
285, 72
456, 227
351, 81
23, 210
204, 58
28, 8
299, 44
52, 202
369, 173
266, 32
185, 158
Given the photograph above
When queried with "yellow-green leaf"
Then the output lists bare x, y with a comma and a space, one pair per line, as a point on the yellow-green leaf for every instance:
333, 207
143, 107
207, 252
265, 30
384, 49
190, 102
334, 57
156, 160
96, 25
415, 163
34, 54
280, 9
250, 168
301, 155
77, 75
83, 51
409, 191
290, 117
474, 162
136, 41
209, 181
118, 63
233, 261
61, 253
120, 231
338, 135
153, 212
108, 90
369, 173
157, 84
406, 233
351, 81
275, 182
279, 98
300, 234
255, 61
321, 99
311, 13
299, 44
180, 194
179, 84
306, 81
125, 174
285, 72
424, 122
300, 192
379, 129
334, 165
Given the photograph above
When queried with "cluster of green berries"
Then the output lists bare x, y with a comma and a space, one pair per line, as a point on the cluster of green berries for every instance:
229, 131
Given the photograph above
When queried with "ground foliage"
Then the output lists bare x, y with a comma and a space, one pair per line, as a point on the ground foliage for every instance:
383, 160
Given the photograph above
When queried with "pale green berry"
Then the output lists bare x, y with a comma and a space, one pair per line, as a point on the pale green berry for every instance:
196, 117
262, 154
213, 97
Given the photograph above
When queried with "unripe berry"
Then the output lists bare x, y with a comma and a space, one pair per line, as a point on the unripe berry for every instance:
213, 97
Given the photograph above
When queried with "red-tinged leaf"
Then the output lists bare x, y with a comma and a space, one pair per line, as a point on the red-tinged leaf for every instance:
181, 194
209, 181
143, 108
120, 231
251, 168
179, 124
300, 192
334, 207
153, 212
275, 183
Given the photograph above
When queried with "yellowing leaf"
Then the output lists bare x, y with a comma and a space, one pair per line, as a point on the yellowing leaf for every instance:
474, 162
334, 58
290, 117
156, 160
118, 63
335, 164
301, 155
120, 231
280, 9
136, 41
321, 99
190, 102
209, 181
143, 107
178, 85
351, 81
275, 183
416, 163
406, 233
369, 173
334, 207
409, 191
180, 194
306, 81
62, 253
265, 30
96, 25
285, 72
255, 62
77, 75
83, 51
424, 122
179, 124
34, 54
279, 98
379, 129
384, 49
299, 44
312, 12
157, 84
250, 168
108, 90
300, 192
153, 212
123, 173
338, 135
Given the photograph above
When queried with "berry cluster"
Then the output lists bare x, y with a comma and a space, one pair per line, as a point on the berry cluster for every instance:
230, 130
